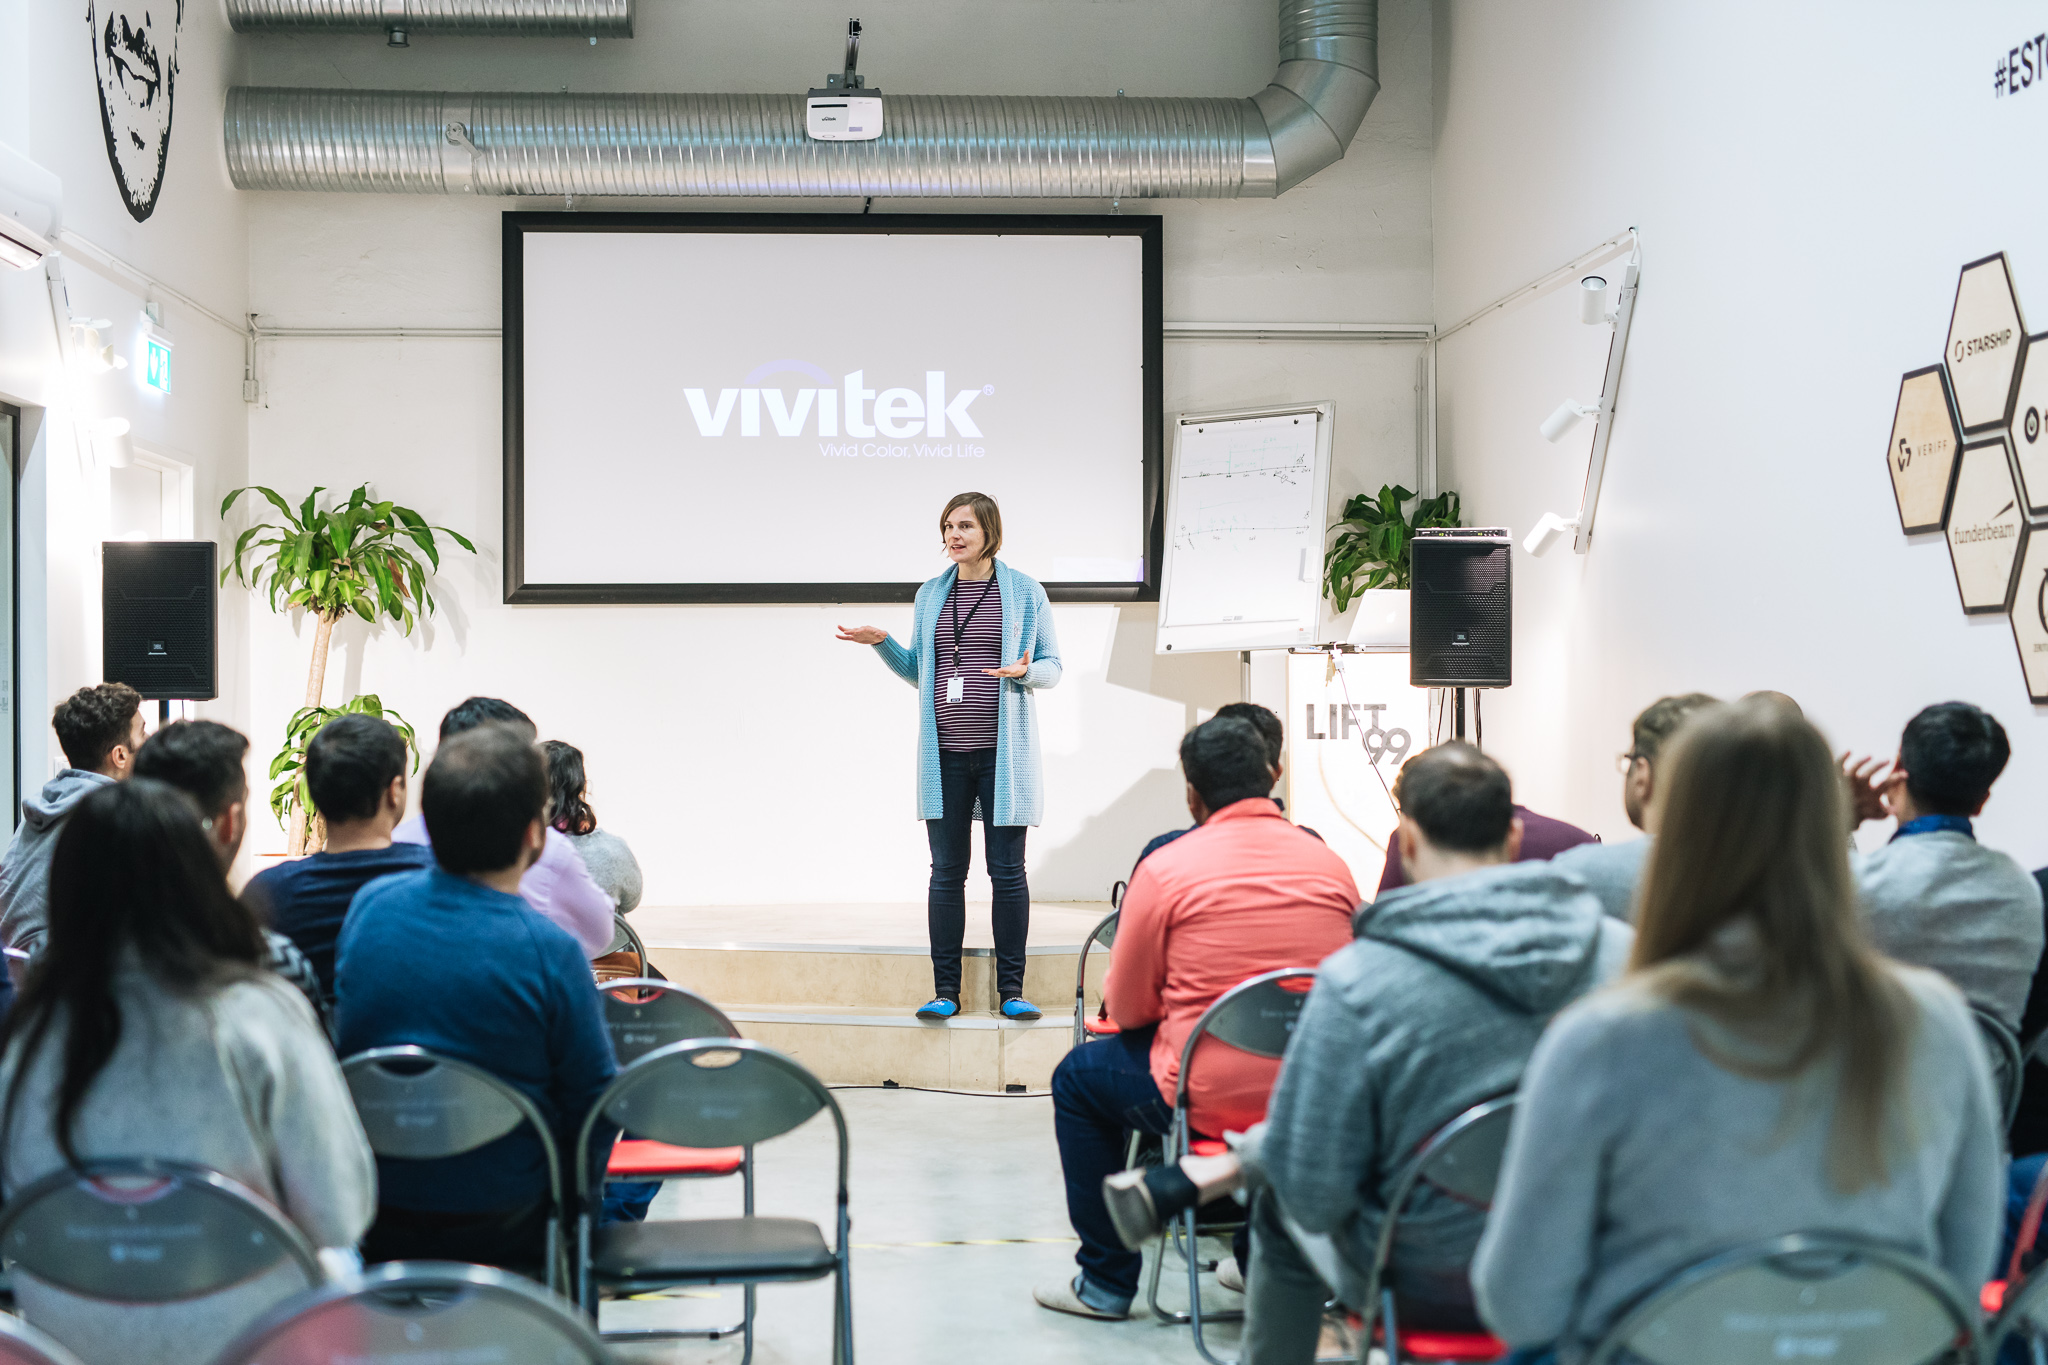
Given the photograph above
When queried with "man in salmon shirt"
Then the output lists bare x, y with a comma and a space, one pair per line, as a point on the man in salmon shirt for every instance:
1243, 893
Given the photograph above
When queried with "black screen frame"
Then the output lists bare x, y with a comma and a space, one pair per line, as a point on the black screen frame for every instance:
517, 223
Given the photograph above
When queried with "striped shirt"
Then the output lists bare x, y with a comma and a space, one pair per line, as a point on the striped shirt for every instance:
973, 612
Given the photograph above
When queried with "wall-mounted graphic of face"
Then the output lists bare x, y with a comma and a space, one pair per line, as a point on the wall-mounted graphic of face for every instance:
135, 57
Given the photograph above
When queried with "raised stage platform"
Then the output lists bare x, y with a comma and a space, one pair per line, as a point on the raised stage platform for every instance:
835, 987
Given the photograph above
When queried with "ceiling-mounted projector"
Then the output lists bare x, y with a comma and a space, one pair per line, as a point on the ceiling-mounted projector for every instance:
29, 200
845, 110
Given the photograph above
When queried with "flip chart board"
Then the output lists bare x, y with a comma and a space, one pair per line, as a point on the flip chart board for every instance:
1246, 513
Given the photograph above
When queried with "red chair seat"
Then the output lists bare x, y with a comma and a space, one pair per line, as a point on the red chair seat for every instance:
640, 1159
1992, 1296
1101, 1028
1208, 1147
1447, 1346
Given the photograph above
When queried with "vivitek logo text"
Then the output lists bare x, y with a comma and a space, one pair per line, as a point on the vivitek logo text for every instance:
896, 412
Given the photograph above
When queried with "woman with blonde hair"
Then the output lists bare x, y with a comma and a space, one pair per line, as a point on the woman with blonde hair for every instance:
1759, 1070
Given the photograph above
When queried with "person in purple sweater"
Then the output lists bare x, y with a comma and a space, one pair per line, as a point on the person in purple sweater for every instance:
558, 884
1543, 838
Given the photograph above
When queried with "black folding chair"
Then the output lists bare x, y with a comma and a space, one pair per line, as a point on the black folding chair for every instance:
2008, 1064
712, 1092
21, 1344
139, 1231
624, 936
1803, 1297
1088, 1026
2022, 1314
418, 1106
426, 1311
1256, 1016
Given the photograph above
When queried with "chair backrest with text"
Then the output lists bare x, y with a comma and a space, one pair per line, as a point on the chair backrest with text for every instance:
644, 1014
1256, 1016
144, 1231
1104, 933
1803, 1297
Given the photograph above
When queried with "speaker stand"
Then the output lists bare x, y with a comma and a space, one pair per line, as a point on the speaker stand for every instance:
163, 712
1457, 713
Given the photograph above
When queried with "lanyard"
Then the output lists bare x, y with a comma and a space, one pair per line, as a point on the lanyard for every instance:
960, 626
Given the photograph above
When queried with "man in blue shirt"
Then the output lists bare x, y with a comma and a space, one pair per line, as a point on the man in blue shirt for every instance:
355, 770
453, 959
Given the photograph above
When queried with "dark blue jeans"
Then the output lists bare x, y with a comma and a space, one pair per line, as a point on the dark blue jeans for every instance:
966, 775
1100, 1092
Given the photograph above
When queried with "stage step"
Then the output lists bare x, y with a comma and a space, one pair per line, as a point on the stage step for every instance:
845, 1006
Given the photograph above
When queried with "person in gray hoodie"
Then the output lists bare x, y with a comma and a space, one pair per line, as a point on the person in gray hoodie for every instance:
99, 729
1935, 897
1434, 1007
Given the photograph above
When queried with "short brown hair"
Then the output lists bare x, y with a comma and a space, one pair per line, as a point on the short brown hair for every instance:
482, 791
92, 720
984, 508
1661, 719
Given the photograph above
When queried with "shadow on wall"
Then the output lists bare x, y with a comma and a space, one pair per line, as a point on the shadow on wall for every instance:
1197, 681
1106, 845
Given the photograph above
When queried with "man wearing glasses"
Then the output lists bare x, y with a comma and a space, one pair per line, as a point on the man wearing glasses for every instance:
1612, 870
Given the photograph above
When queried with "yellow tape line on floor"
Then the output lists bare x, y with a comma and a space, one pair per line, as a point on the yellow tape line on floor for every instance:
967, 1242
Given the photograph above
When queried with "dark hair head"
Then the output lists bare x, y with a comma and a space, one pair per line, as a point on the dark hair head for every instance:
484, 787
567, 810
1262, 720
1661, 719
92, 720
201, 758
133, 880
984, 508
1952, 752
485, 711
350, 764
1225, 761
1461, 798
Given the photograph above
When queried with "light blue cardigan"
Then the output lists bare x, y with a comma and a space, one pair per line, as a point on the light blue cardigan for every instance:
1020, 784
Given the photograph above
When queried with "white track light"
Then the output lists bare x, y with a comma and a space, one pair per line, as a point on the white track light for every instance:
1548, 532
1593, 300
111, 442
1564, 419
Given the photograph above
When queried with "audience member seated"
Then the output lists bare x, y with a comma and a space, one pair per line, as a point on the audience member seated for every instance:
1936, 897
355, 770
1433, 1008
1613, 871
204, 760
1268, 725
610, 862
1246, 892
557, 885
1761, 1070
454, 960
196, 1055
1543, 838
99, 729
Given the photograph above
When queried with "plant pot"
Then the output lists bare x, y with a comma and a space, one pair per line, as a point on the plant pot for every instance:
1381, 619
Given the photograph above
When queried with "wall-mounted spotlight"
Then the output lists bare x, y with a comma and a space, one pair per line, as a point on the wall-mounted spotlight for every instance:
1565, 418
94, 353
1593, 300
111, 442
1551, 529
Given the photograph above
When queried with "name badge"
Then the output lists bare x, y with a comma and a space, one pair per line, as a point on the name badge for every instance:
956, 689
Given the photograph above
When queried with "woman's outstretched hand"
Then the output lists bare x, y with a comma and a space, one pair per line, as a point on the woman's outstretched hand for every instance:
1015, 670
863, 635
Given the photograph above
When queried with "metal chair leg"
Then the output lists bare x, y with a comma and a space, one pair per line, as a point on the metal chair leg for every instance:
1390, 1328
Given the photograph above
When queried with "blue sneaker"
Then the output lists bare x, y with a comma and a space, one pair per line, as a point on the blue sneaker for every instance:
1017, 1007
940, 1008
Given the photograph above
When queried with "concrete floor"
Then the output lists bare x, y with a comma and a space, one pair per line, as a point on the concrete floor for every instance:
927, 1168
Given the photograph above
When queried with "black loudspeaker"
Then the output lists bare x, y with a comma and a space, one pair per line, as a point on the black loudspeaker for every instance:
1461, 608
159, 628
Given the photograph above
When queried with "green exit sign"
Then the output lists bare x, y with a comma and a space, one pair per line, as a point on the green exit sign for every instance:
157, 374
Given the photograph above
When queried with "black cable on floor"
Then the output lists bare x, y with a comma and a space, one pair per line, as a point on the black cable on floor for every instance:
936, 1090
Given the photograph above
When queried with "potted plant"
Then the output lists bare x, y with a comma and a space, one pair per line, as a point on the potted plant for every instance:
1369, 561
358, 557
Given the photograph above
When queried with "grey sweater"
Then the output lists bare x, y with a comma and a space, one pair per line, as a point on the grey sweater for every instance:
240, 1079
1944, 901
1634, 1156
25, 871
612, 866
1611, 872
1433, 1008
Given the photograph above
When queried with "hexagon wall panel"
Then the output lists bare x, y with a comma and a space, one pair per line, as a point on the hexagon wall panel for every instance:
1987, 532
1986, 340
2030, 427
2030, 617
1922, 454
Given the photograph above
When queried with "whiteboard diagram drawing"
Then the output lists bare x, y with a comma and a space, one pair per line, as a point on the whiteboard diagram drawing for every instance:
1246, 504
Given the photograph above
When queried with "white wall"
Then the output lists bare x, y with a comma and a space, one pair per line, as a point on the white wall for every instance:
1809, 179
746, 755
196, 241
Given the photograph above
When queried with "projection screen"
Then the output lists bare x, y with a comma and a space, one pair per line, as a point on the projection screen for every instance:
775, 408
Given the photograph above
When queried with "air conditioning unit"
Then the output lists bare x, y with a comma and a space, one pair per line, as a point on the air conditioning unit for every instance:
31, 201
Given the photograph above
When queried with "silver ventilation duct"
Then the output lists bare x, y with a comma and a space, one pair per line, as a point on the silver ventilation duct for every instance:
514, 18
740, 146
